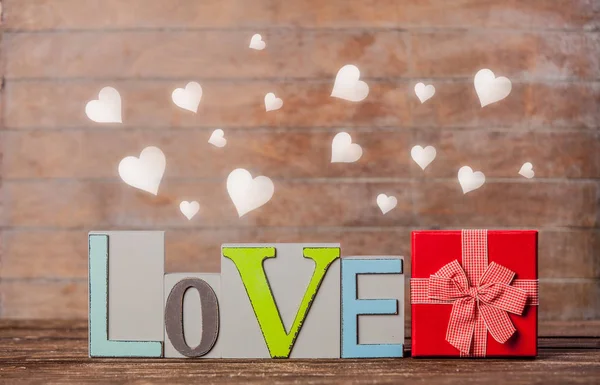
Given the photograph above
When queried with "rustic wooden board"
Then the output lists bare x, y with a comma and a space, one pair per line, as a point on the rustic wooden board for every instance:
56, 352
438, 202
40, 15
220, 53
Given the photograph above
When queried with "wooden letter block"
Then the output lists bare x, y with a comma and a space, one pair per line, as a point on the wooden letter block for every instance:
280, 301
126, 270
372, 307
192, 315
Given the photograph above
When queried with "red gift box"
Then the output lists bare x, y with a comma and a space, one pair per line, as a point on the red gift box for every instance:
474, 293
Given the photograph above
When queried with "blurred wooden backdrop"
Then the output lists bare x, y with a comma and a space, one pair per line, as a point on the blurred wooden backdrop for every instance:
59, 176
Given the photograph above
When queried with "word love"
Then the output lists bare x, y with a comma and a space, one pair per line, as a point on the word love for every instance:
268, 301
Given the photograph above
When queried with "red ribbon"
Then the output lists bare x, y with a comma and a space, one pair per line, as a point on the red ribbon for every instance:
481, 296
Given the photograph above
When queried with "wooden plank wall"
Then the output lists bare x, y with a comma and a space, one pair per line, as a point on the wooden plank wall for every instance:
58, 175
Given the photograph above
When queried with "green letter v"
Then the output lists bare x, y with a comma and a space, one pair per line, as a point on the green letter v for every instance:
249, 262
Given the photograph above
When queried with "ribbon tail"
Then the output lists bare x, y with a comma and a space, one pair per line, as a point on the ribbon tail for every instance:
462, 324
479, 338
497, 322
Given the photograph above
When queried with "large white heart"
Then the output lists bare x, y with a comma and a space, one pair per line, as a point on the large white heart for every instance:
343, 150
470, 180
272, 102
423, 156
145, 172
217, 138
489, 88
257, 43
189, 209
188, 98
247, 193
385, 203
348, 85
107, 109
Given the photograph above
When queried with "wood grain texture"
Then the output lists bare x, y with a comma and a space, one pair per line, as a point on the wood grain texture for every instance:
58, 170
225, 54
524, 55
212, 54
427, 203
56, 352
33, 15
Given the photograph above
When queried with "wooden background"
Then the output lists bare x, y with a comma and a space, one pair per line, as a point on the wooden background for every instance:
59, 178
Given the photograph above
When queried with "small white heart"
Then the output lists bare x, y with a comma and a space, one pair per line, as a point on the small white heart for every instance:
189, 209
257, 43
343, 150
348, 85
107, 109
145, 172
489, 88
527, 170
423, 156
188, 98
217, 138
272, 102
470, 180
385, 203
423, 92
247, 193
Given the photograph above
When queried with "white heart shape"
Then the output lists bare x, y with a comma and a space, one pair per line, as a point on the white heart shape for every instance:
470, 180
257, 43
145, 172
343, 150
217, 138
527, 170
189, 209
107, 109
272, 103
188, 98
385, 203
347, 85
423, 156
423, 92
246, 193
489, 88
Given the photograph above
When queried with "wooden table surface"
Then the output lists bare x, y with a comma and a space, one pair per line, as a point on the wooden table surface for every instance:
45, 352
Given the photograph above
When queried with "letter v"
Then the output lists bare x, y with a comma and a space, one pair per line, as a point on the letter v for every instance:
249, 262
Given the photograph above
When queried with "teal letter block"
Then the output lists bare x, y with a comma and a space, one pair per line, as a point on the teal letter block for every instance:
100, 345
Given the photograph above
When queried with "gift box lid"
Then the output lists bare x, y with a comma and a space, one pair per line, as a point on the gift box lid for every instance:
513, 249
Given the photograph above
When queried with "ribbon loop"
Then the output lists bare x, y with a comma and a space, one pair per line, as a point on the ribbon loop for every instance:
449, 283
497, 322
503, 297
495, 273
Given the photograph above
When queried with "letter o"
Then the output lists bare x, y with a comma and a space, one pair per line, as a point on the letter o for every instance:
210, 317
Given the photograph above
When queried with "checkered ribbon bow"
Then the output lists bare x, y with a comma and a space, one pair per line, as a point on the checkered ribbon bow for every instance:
475, 309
